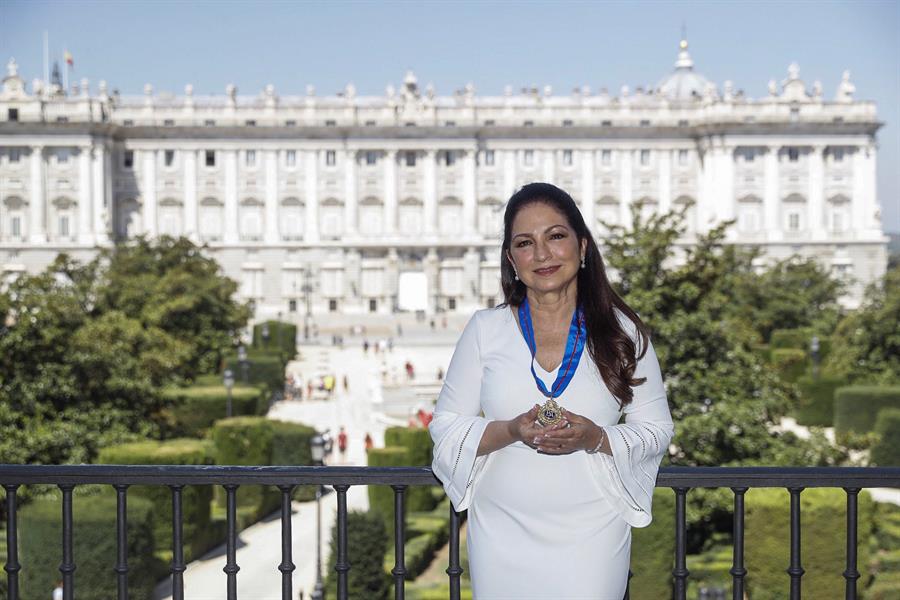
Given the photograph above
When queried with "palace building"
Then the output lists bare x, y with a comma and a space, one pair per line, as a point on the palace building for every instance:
356, 204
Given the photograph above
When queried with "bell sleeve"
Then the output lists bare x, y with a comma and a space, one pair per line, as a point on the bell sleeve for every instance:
457, 426
628, 476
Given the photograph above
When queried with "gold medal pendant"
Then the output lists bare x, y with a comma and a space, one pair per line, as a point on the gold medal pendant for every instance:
550, 413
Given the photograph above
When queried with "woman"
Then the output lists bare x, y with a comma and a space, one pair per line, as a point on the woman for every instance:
526, 426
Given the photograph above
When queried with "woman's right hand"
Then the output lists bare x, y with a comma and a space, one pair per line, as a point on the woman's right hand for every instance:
525, 427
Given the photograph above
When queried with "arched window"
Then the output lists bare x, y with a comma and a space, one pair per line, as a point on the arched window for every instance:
410, 216
688, 207
13, 219
212, 218
130, 224
450, 216
606, 213
750, 214
292, 220
331, 218
838, 217
490, 217
62, 219
251, 219
170, 217
371, 216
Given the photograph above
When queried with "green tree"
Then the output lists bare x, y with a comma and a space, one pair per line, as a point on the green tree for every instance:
865, 347
86, 348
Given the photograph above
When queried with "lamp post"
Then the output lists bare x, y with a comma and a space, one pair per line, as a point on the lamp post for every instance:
317, 446
244, 364
265, 333
814, 350
307, 290
228, 380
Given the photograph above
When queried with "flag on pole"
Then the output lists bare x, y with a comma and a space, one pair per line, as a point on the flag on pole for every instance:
68, 57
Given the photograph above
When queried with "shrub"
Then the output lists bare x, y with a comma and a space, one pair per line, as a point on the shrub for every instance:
93, 545
418, 444
260, 441
195, 499
282, 338
856, 407
194, 409
886, 452
427, 532
767, 540
791, 338
816, 406
885, 587
381, 497
262, 369
367, 543
790, 363
653, 550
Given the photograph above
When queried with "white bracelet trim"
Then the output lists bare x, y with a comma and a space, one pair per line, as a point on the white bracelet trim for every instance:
602, 439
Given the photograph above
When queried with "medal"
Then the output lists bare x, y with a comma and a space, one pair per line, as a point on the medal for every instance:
550, 412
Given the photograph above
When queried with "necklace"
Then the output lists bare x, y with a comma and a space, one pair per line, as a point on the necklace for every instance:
550, 412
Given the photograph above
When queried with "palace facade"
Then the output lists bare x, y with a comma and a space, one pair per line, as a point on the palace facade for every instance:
358, 204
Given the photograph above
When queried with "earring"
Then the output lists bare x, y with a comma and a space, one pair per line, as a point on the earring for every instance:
582, 262
516, 276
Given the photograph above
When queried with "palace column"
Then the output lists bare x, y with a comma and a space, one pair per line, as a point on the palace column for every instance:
271, 233
816, 175
148, 192
231, 200
390, 192
587, 190
102, 212
351, 204
84, 195
310, 162
191, 221
771, 199
38, 201
469, 194
625, 185
430, 191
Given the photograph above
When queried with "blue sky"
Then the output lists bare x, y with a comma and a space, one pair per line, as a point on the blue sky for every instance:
491, 44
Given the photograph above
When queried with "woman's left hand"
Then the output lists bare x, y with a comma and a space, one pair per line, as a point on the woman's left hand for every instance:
581, 434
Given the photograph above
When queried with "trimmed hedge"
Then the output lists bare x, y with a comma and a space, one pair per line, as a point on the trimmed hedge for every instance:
856, 407
262, 369
381, 497
282, 338
801, 339
195, 499
427, 532
93, 545
767, 540
790, 363
259, 441
367, 543
194, 409
885, 587
886, 451
419, 447
816, 407
653, 550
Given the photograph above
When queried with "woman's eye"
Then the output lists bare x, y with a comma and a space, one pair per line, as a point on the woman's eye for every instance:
520, 244
560, 235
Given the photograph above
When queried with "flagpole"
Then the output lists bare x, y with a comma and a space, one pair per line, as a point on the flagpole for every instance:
65, 71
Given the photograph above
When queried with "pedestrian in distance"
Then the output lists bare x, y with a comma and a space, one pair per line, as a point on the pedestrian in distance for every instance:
342, 444
369, 443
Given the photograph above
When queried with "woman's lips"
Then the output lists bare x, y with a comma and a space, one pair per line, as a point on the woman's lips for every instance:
547, 271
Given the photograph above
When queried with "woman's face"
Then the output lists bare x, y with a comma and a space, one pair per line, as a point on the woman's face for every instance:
544, 249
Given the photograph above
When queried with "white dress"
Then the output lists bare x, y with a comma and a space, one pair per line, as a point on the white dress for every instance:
545, 526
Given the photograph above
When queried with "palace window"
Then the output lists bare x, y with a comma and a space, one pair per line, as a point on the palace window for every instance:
410, 158
682, 157
209, 123
606, 157
330, 123
210, 158
793, 154
567, 122
250, 123
290, 158
567, 158
15, 154
528, 123
645, 158
489, 158
290, 123
127, 159
371, 158
169, 157
449, 158
168, 122
12, 114
250, 158
490, 123
528, 158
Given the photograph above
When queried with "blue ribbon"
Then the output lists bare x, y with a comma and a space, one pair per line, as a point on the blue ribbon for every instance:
574, 348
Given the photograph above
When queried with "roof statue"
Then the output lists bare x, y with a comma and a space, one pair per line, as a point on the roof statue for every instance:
845, 89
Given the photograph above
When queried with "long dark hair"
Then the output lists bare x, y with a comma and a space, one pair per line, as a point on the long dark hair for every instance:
610, 346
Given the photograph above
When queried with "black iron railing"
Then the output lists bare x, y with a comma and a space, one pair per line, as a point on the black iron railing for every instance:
680, 479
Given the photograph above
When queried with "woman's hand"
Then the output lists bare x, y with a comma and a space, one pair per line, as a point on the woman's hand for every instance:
525, 427
580, 434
